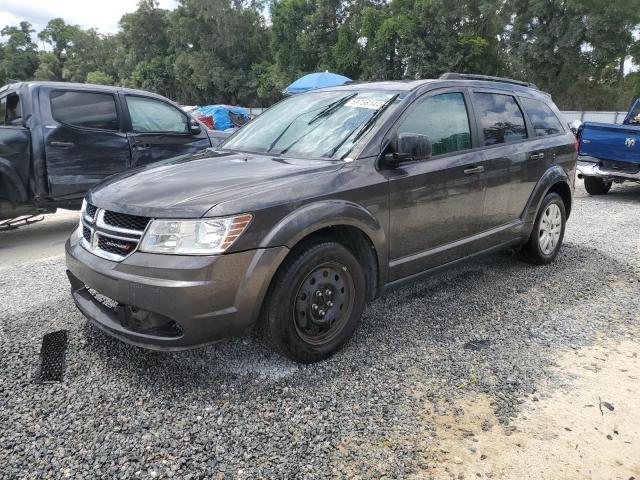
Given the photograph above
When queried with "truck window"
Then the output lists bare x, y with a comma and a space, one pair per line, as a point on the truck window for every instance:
85, 109
13, 114
542, 117
444, 119
3, 110
500, 118
149, 115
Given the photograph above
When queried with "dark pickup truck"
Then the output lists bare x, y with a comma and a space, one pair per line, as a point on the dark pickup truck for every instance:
59, 139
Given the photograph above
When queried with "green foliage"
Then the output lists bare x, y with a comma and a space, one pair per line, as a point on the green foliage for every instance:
247, 51
99, 78
18, 55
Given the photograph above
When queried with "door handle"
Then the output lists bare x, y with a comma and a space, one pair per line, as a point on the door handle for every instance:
142, 146
537, 156
62, 144
474, 170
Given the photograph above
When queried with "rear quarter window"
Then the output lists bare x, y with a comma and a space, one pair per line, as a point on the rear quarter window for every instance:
85, 109
500, 118
542, 118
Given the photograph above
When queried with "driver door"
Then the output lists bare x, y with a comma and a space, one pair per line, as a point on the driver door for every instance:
436, 205
159, 130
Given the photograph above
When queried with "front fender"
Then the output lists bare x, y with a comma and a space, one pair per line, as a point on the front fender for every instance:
318, 215
551, 177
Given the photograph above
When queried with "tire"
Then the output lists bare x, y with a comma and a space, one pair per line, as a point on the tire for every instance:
546, 237
305, 325
596, 186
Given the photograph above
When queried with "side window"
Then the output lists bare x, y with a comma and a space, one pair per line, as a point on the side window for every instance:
3, 110
500, 118
85, 109
444, 119
149, 115
542, 117
13, 115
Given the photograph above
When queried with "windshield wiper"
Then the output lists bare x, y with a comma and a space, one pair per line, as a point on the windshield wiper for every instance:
332, 107
325, 111
365, 126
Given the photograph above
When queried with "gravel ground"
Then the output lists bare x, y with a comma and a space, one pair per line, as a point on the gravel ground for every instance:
236, 410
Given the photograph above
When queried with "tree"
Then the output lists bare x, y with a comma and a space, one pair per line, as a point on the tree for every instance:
60, 36
216, 42
19, 58
99, 78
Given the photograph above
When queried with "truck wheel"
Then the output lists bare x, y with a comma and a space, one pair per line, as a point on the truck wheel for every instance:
315, 302
548, 231
596, 186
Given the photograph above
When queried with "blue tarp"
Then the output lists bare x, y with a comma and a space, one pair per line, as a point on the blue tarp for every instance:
316, 80
220, 114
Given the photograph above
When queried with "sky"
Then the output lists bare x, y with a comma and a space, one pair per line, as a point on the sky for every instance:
100, 14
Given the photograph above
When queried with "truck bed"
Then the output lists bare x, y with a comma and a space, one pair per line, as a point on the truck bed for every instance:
609, 142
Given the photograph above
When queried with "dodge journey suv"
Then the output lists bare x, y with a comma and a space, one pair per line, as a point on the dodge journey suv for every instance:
325, 201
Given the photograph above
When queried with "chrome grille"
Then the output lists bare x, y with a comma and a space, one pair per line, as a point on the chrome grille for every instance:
111, 235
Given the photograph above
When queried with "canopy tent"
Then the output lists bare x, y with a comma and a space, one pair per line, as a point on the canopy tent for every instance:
316, 80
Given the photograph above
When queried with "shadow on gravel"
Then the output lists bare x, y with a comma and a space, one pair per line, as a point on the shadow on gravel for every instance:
417, 334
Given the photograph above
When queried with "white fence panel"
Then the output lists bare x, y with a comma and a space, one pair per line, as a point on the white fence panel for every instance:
591, 116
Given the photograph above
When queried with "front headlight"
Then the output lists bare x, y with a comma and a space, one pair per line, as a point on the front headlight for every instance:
193, 237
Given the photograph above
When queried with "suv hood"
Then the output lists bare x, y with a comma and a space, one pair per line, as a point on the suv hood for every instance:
190, 186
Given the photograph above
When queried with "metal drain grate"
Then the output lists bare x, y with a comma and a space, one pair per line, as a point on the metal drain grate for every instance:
52, 353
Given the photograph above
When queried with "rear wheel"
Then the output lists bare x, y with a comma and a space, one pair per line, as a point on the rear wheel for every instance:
548, 231
315, 302
597, 186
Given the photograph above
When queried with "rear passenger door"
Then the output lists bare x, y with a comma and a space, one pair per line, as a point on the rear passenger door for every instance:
507, 157
159, 130
82, 138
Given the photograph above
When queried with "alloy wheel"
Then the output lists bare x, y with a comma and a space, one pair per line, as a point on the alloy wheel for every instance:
550, 229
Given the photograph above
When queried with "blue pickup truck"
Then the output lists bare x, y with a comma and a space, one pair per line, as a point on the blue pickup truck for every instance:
609, 153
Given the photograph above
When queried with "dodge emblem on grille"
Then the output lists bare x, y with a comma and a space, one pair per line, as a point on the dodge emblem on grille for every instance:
121, 246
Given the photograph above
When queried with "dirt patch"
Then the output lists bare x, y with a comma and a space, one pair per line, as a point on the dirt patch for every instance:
589, 429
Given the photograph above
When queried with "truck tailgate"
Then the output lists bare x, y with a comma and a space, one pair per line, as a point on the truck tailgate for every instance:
611, 142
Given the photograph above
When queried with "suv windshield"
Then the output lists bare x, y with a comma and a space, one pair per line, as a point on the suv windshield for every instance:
313, 125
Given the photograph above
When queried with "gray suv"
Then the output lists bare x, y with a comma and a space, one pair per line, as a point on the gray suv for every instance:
322, 203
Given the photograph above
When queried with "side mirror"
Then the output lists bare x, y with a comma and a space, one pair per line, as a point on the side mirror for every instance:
194, 127
409, 147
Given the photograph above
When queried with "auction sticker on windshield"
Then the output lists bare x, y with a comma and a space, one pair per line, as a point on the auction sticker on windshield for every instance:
365, 103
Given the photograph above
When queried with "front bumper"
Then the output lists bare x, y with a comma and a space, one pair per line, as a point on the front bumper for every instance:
195, 300
594, 168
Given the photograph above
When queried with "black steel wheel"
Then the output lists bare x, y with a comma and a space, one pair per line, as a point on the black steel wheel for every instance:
324, 303
315, 302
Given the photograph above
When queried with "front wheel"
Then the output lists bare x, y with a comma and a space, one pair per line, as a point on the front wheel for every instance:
548, 231
315, 302
597, 185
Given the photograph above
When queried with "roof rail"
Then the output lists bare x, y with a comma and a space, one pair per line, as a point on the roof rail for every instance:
488, 78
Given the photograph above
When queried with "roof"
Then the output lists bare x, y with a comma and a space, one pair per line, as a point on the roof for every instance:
78, 86
452, 80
